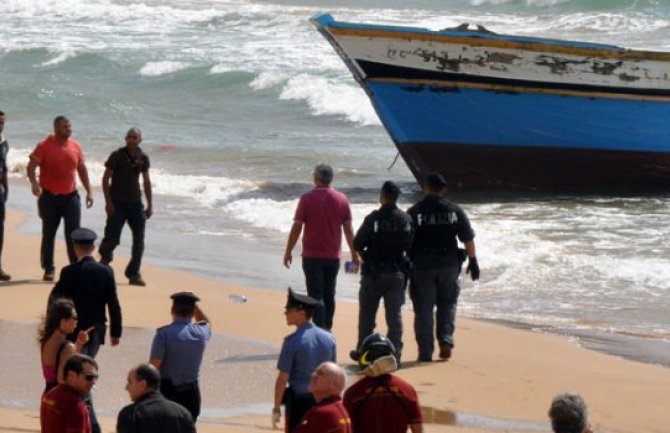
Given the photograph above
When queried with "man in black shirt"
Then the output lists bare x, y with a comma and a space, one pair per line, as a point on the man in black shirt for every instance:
150, 412
4, 190
438, 224
123, 202
383, 241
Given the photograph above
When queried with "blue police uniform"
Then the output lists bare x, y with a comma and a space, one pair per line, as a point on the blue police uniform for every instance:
300, 354
180, 347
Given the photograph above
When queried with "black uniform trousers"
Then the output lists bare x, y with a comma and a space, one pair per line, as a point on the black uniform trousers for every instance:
187, 395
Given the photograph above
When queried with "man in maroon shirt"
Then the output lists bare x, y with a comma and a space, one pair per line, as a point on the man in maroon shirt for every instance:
381, 402
325, 213
329, 414
63, 409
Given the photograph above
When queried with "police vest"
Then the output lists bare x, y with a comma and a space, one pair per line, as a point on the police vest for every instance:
436, 223
391, 232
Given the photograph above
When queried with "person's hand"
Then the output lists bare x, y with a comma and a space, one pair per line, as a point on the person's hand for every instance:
276, 417
109, 209
36, 189
288, 259
115, 341
473, 268
83, 337
89, 201
356, 260
148, 212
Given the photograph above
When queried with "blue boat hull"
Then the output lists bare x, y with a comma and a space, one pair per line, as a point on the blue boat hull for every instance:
573, 117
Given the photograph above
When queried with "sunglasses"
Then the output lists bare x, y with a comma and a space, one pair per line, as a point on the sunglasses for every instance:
90, 377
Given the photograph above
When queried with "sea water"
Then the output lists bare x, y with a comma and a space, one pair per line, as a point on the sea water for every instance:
238, 100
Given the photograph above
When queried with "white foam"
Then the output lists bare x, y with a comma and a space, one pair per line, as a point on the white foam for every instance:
326, 97
60, 58
155, 69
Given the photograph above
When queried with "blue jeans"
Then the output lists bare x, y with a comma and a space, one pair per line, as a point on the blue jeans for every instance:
430, 288
133, 214
320, 279
391, 287
52, 208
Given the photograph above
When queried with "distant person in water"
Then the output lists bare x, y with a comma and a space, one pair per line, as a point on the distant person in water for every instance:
59, 159
123, 202
569, 414
4, 190
324, 213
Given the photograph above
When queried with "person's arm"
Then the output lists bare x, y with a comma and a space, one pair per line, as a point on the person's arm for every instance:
115, 319
200, 316
293, 236
106, 183
470, 249
5, 184
31, 171
364, 234
416, 428
157, 351
82, 171
280, 388
146, 180
349, 236
68, 350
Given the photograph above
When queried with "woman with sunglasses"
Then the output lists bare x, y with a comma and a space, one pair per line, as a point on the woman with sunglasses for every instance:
56, 349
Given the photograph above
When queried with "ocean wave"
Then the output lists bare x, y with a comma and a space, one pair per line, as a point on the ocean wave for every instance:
156, 69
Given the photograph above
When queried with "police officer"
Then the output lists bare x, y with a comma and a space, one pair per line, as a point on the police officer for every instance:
300, 355
92, 287
177, 351
439, 224
383, 241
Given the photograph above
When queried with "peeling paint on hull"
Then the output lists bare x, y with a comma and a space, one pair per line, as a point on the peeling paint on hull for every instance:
493, 110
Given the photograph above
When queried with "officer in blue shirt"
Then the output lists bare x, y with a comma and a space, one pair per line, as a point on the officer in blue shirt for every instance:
300, 354
177, 351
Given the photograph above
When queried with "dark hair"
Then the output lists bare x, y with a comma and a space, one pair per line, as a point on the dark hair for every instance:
568, 413
59, 119
2, 113
183, 309
390, 191
59, 309
76, 363
323, 173
149, 374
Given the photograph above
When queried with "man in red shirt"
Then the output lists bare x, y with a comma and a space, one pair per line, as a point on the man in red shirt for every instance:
60, 159
381, 402
63, 409
325, 213
328, 415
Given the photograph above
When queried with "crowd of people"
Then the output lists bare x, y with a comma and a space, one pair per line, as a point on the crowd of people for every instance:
393, 250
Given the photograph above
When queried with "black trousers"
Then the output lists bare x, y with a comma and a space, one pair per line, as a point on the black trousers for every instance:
297, 406
187, 395
53, 208
320, 279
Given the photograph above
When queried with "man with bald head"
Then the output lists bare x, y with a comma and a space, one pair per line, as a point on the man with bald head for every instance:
329, 414
151, 412
123, 202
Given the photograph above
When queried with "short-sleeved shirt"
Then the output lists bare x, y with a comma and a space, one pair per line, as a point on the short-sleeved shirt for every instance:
63, 411
58, 164
323, 211
327, 416
180, 347
302, 352
437, 224
382, 412
126, 169
4, 150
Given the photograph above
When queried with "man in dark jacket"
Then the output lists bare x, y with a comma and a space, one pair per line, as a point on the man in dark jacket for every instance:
150, 412
92, 287
383, 241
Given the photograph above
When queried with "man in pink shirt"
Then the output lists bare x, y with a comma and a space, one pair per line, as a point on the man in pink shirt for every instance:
60, 160
324, 213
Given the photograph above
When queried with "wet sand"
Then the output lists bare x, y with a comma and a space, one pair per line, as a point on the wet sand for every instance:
500, 378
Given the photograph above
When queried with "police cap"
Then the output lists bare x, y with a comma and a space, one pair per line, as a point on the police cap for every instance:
298, 300
436, 180
83, 236
187, 298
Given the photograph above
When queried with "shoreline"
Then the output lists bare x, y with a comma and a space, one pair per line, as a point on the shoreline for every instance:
500, 378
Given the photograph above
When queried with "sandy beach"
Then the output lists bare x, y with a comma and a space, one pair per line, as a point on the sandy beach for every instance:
500, 378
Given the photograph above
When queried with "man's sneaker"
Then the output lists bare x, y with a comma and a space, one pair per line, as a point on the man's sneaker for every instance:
354, 355
48, 276
4, 276
445, 351
136, 280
